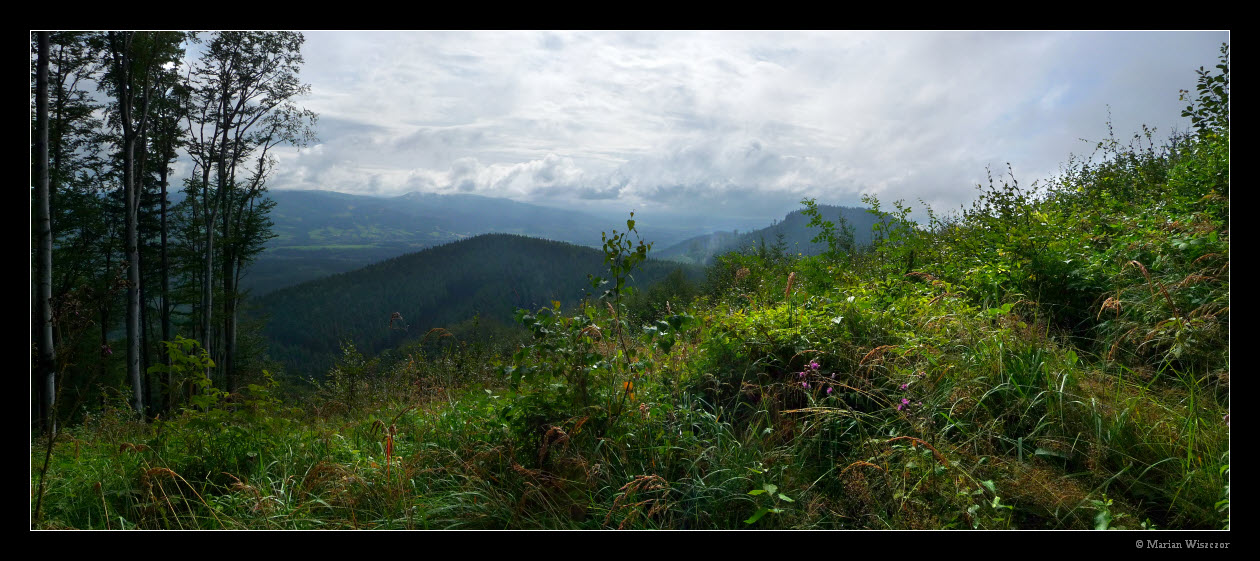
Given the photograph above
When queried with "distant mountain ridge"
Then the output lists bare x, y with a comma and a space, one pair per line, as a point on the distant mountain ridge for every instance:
319, 233
797, 236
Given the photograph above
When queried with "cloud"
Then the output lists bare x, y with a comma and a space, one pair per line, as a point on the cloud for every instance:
734, 122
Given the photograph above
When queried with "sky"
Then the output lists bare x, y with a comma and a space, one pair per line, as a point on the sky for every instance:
731, 124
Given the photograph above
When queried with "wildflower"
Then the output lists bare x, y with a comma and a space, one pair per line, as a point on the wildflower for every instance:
829, 388
904, 403
813, 365
905, 385
801, 375
805, 385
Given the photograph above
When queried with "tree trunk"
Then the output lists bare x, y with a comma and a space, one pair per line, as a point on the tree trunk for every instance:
164, 307
47, 356
207, 299
229, 327
133, 276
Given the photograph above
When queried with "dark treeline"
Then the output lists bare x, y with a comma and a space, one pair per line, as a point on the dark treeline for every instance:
125, 268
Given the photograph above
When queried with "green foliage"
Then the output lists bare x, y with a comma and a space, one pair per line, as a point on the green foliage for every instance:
839, 240
348, 377
190, 363
565, 349
1209, 112
621, 257
773, 502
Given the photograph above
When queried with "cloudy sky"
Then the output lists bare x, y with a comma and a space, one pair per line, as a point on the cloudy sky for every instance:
733, 124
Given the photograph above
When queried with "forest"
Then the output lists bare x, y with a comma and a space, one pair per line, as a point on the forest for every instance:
1054, 356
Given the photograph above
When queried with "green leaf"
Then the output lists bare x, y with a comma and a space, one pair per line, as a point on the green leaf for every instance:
1102, 520
755, 517
1046, 452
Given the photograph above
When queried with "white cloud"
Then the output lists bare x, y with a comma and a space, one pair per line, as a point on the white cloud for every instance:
741, 123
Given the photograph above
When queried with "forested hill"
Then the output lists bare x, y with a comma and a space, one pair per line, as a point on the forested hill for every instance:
795, 229
487, 276
320, 233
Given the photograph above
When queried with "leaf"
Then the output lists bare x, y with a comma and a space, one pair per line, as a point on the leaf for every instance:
783, 497
770, 488
1102, 520
1046, 452
756, 491
755, 517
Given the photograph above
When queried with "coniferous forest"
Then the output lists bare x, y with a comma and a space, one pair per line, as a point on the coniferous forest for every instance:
1053, 356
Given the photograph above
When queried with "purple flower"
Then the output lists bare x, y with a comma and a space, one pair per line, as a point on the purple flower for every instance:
802, 375
905, 385
805, 385
829, 388
905, 401
813, 365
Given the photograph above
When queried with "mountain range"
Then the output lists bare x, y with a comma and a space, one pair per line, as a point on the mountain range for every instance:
794, 228
319, 233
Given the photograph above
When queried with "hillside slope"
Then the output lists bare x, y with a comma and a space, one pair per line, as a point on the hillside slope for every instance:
487, 276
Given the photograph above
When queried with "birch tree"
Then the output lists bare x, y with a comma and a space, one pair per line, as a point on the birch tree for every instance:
240, 105
43, 266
